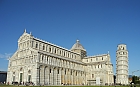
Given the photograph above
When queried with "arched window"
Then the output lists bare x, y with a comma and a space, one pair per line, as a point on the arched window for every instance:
29, 72
43, 47
50, 70
36, 46
65, 71
64, 53
55, 51
46, 47
58, 71
50, 49
60, 52
42, 57
68, 54
21, 69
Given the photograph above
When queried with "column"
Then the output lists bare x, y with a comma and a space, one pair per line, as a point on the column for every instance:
71, 77
55, 76
68, 76
25, 75
41, 75
65, 76
51, 75
74, 78
47, 75
59, 77
62, 76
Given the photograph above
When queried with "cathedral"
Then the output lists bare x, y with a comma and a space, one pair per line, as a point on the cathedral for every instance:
44, 63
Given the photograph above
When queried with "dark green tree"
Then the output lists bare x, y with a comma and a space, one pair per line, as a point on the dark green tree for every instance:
135, 79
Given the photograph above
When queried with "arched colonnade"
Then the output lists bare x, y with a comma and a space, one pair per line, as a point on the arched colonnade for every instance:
51, 75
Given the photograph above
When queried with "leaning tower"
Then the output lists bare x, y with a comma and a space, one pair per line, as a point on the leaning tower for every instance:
122, 64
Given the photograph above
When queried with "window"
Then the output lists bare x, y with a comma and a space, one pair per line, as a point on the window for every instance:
71, 72
60, 52
47, 58
36, 45
96, 59
58, 71
65, 72
49, 49
91, 60
102, 58
42, 57
68, 54
64, 53
29, 71
50, 70
46, 47
32, 43
43, 47
92, 75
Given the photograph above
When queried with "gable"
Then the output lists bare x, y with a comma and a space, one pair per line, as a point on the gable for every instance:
24, 37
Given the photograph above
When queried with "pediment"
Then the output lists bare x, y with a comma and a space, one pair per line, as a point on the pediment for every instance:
24, 37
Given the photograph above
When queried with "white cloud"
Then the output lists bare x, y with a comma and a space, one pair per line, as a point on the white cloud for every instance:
6, 55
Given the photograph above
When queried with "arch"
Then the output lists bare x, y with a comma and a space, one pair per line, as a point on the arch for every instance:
43, 47
21, 69
29, 71
55, 50
50, 49
36, 46
29, 75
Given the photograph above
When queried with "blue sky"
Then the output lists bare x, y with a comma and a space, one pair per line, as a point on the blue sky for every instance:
100, 25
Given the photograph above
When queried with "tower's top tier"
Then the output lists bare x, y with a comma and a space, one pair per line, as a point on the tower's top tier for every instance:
121, 47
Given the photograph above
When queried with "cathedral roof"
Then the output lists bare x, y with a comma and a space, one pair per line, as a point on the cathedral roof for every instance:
77, 45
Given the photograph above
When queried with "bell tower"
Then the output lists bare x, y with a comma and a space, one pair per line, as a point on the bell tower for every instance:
122, 64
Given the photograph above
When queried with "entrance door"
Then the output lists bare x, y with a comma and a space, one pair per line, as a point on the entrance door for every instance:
29, 78
21, 77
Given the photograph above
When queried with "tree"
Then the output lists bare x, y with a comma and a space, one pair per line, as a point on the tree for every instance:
135, 80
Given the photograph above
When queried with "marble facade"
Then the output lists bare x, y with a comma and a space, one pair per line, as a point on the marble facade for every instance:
45, 63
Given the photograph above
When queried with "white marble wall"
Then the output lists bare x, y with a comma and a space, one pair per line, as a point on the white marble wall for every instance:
67, 67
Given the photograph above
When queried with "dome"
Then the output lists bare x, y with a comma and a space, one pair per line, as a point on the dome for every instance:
77, 45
